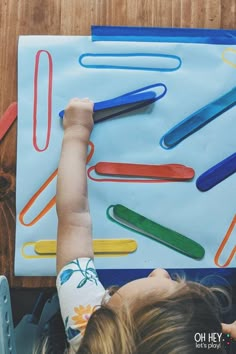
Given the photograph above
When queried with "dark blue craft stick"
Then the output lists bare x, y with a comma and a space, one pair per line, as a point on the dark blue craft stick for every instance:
124, 100
121, 101
217, 173
198, 119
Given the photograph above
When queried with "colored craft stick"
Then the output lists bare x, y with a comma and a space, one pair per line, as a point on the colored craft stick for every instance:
49, 100
126, 103
150, 173
124, 100
198, 119
28, 252
169, 171
93, 61
120, 101
223, 245
101, 247
7, 119
139, 223
217, 173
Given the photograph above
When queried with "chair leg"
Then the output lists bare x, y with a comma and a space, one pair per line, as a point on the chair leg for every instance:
7, 336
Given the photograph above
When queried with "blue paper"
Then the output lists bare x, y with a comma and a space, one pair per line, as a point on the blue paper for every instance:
134, 138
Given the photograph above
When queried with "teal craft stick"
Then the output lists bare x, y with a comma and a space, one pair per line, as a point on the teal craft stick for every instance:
140, 224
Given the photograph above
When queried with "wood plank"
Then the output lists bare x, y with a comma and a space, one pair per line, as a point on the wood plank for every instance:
74, 17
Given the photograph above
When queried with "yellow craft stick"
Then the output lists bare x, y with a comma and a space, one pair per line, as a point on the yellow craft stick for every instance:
101, 247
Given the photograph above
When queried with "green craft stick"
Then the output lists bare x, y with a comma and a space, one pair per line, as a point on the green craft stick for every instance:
159, 233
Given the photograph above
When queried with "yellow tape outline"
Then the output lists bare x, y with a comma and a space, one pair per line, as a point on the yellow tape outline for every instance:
227, 61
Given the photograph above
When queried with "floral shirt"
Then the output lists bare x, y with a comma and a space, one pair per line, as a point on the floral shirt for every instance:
79, 292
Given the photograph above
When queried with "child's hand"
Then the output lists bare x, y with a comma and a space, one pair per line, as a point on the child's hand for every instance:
229, 329
79, 113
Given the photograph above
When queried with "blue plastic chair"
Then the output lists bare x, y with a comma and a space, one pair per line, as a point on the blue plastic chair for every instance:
7, 336
26, 336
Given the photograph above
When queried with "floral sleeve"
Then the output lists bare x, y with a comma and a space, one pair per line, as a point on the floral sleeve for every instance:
79, 292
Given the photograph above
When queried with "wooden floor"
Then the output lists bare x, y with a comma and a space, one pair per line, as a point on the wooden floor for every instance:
74, 17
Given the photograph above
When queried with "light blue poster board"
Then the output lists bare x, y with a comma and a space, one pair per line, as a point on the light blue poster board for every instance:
54, 69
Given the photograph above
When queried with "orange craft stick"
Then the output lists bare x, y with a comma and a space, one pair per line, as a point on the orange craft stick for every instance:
7, 119
223, 244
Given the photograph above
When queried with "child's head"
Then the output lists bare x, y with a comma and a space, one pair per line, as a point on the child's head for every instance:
154, 315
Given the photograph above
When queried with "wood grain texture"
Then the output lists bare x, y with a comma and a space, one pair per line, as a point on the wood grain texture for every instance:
75, 17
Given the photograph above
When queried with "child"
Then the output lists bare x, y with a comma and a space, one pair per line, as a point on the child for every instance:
150, 315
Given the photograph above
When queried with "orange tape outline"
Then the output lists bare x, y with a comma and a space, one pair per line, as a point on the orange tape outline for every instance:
52, 202
222, 245
44, 211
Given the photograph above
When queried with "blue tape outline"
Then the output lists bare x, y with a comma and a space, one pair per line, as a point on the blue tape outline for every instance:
163, 34
126, 67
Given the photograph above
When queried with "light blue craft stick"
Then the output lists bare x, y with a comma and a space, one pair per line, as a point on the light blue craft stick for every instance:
198, 119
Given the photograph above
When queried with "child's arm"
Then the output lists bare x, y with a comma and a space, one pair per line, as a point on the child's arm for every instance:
74, 236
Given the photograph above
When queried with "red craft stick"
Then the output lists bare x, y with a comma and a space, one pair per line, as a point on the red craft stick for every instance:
7, 119
175, 171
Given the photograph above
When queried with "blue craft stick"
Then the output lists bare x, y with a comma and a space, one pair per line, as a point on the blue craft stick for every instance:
217, 173
121, 101
124, 100
198, 119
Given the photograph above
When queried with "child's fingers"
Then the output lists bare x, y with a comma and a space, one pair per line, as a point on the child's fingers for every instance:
87, 100
76, 101
229, 329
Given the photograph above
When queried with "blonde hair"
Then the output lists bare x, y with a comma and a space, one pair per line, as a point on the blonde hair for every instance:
164, 326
